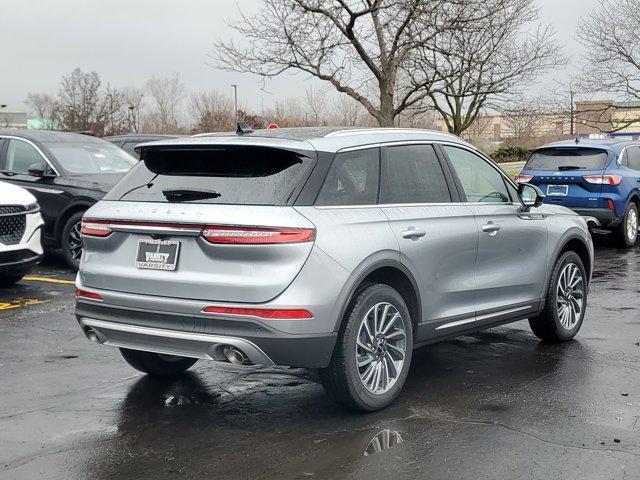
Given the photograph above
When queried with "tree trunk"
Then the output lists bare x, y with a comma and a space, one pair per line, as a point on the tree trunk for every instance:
386, 117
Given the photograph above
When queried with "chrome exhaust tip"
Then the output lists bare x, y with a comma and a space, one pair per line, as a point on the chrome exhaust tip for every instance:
236, 356
92, 335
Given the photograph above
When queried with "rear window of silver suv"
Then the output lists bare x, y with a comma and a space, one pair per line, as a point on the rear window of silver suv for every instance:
239, 176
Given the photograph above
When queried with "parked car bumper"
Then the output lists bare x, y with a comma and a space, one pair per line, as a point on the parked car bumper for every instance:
599, 217
20, 258
201, 336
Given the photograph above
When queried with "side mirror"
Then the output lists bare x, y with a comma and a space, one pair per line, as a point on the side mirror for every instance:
36, 170
530, 195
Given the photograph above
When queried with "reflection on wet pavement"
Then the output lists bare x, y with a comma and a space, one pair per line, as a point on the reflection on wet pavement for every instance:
495, 405
383, 440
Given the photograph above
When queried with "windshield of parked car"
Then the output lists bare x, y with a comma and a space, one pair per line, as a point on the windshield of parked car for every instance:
87, 158
240, 176
568, 159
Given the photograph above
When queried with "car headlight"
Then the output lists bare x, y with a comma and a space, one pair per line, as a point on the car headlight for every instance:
33, 207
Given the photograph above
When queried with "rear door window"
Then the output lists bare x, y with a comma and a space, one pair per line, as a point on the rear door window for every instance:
352, 180
633, 158
412, 174
568, 159
224, 175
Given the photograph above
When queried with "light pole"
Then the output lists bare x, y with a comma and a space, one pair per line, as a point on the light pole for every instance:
235, 100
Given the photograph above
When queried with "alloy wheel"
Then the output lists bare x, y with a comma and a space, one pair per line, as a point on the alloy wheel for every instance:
381, 348
570, 293
74, 243
631, 224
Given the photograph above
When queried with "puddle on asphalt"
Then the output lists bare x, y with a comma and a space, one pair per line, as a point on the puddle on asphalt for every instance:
383, 440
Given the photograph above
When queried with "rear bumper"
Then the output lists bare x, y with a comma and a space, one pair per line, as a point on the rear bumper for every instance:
202, 336
604, 217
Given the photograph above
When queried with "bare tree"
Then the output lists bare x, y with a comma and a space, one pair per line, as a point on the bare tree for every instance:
165, 100
84, 105
369, 50
133, 103
45, 107
611, 36
345, 111
315, 104
212, 112
490, 61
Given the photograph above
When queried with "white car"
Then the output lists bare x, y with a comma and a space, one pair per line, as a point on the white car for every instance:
20, 230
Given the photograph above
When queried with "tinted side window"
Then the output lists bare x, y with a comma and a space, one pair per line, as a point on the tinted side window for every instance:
20, 156
352, 180
479, 180
633, 158
412, 174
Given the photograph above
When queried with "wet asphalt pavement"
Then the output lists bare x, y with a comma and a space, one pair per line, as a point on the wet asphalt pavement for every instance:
496, 405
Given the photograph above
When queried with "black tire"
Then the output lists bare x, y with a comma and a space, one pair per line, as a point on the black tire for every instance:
69, 241
548, 325
155, 364
627, 237
8, 280
341, 378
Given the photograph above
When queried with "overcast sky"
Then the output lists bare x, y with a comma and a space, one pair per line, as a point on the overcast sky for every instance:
128, 41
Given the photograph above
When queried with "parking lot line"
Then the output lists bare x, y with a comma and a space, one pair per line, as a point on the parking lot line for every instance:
49, 280
21, 302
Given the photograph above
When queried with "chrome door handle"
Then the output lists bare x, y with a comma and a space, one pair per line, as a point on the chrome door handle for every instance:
413, 233
491, 228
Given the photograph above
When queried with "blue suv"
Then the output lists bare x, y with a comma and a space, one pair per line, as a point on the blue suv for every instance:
598, 179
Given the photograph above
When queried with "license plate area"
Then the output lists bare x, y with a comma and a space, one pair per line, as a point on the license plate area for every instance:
557, 190
157, 254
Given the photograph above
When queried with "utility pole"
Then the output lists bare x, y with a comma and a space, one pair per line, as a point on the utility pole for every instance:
235, 100
572, 113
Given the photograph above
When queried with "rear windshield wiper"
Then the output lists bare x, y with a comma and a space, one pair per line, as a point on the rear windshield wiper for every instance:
186, 194
569, 167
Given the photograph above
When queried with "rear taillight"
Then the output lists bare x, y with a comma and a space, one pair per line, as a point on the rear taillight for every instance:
603, 179
257, 235
95, 228
265, 313
88, 295
522, 178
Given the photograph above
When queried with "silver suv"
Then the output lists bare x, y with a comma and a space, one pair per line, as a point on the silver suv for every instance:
341, 250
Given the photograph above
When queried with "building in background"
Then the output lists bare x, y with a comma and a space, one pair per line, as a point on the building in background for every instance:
608, 117
12, 117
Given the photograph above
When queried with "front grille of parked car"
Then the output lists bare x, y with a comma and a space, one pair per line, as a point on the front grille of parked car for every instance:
12, 228
11, 209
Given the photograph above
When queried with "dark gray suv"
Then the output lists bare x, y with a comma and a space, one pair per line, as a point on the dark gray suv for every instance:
341, 250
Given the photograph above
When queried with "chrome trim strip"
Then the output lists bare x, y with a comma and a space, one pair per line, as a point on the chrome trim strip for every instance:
403, 205
210, 345
457, 323
152, 229
44, 157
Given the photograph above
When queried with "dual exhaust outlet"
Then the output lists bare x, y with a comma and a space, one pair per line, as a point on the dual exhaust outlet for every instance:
231, 354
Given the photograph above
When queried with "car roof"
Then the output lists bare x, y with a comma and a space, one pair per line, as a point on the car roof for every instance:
140, 136
49, 136
326, 139
610, 144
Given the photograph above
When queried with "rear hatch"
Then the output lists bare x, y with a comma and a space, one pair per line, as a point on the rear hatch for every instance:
568, 176
205, 223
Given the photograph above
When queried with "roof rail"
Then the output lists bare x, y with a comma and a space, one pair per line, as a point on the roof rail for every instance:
368, 131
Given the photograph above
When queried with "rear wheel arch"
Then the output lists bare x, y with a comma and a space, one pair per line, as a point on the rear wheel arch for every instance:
393, 274
64, 217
